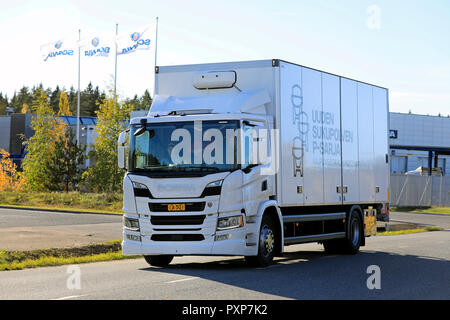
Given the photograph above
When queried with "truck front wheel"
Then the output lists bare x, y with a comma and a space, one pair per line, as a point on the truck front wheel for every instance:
159, 261
266, 245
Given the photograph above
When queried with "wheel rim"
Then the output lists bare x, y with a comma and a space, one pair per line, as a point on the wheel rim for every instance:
266, 241
355, 232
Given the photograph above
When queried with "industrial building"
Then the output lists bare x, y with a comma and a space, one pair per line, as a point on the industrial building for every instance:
16, 128
419, 141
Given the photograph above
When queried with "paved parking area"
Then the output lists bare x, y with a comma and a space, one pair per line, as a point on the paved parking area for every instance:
25, 229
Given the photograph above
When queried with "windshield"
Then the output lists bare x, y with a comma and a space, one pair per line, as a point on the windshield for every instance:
184, 148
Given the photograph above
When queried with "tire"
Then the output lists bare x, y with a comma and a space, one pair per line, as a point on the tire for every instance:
266, 244
159, 261
353, 241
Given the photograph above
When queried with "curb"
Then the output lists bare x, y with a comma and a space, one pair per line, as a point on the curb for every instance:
426, 213
59, 210
393, 225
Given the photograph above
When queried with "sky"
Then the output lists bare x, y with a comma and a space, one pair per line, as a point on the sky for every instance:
401, 45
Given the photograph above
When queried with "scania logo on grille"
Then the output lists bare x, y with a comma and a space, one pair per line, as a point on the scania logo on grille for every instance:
174, 187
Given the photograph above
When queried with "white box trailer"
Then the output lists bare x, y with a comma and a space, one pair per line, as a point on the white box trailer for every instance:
324, 177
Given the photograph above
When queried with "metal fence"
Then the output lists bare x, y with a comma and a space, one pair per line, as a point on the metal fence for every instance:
410, 190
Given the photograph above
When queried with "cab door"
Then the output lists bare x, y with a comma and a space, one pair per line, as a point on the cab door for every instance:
257, 184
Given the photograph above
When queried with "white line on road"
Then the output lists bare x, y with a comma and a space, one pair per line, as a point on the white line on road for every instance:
181, 280
70, 297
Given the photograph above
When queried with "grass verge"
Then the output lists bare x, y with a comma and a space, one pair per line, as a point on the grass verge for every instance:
75, 201
437, 210
17, 260
409, 231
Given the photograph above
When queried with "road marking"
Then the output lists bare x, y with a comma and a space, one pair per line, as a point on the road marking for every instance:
181, 280
70, 297
432, 258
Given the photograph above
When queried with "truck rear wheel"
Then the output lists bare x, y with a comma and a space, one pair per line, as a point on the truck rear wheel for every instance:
351, 244
266, 244
159, 261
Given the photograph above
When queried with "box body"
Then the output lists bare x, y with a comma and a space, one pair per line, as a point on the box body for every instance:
333, 131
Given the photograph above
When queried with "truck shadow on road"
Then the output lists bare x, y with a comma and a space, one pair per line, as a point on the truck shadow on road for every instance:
316, 275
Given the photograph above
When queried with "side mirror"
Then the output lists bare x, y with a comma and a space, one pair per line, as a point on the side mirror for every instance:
121, 150
121, 157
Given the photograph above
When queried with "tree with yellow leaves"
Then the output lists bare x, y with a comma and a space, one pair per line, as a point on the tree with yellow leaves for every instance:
112, 118
25, 108
52, 160
64, 108
10, 178
40, 147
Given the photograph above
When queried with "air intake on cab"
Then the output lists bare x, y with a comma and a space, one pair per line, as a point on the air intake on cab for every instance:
214, 80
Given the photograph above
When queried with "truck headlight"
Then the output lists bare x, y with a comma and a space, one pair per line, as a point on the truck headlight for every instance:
213, 189
141, 190
230, 222
131, 224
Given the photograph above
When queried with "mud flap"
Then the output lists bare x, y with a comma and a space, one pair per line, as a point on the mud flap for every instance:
370, 222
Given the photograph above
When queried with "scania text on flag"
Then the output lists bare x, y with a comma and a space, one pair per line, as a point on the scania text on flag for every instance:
59, 48
129, 42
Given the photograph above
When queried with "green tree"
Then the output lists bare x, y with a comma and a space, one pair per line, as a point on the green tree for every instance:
40, 147
146, 100
65, 166
14, 103
54, 99
72, 96
135, 102
112, 118
3, 104
24, 97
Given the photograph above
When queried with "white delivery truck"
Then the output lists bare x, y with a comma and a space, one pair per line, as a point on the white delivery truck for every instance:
245, 158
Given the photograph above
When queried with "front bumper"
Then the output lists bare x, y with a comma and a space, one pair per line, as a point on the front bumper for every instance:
234, 246
163, 226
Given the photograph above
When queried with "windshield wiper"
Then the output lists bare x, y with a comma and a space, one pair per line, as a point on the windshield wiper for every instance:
178, 169
215, 169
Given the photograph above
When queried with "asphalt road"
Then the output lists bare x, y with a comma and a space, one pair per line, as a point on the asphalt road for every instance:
414, 266
440, 220
28, 229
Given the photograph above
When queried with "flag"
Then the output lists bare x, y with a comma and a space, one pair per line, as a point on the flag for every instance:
60, 48
132, 41
95, 47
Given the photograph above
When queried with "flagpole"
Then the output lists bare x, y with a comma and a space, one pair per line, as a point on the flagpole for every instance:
115, 61
78, 100
156, 55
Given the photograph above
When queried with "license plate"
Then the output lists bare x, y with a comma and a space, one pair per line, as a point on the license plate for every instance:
176, 207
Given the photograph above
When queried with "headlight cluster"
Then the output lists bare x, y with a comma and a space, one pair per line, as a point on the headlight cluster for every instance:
131, 224
141, 190
213, 189
230, 222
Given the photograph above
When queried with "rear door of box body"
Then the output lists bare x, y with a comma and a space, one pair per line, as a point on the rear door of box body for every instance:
381, 145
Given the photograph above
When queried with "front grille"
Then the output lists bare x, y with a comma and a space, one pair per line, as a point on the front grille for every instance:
177, 237
177, 220
163, 207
